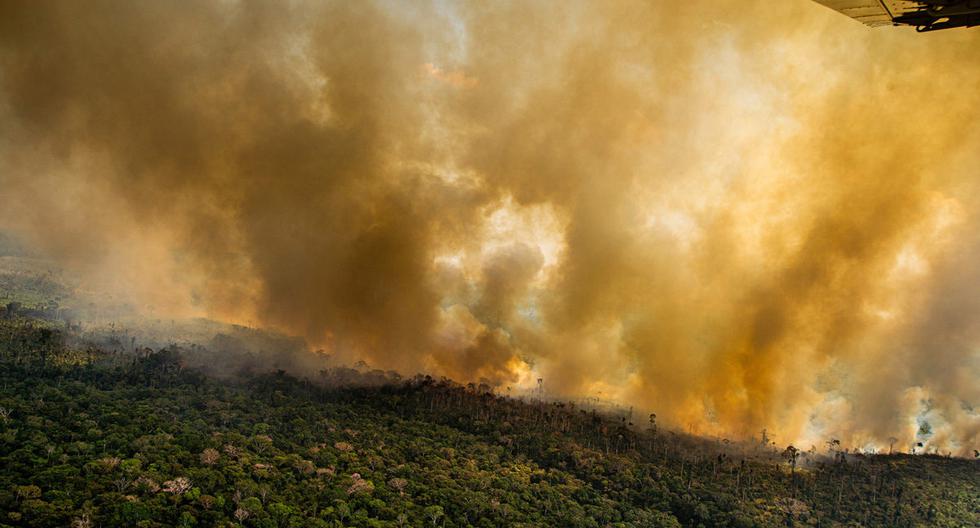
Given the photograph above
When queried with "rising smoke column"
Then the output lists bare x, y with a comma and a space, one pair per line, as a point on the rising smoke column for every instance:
739, 215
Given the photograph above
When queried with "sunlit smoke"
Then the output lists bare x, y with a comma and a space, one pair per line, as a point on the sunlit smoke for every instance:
740, 215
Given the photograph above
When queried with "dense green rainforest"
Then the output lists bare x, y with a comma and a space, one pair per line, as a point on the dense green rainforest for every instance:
94, 438
96, 430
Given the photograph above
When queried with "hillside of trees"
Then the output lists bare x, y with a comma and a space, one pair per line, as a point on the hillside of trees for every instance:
97, 430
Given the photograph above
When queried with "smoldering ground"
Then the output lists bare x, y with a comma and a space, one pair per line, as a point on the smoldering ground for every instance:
738, 214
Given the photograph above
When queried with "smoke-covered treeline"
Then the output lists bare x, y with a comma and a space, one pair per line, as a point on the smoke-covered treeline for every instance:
738, 214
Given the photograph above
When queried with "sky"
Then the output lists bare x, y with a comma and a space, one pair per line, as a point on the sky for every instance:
736, 214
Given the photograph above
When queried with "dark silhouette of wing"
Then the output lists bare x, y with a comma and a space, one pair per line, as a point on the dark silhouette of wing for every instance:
924, 15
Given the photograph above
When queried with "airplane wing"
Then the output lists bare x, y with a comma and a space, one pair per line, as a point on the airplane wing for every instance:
871, 12
924, 15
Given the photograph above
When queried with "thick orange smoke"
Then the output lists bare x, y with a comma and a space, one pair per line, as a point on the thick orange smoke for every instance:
737, 214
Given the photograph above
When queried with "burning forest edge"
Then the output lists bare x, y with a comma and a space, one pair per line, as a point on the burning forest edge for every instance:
98, 430
695, 264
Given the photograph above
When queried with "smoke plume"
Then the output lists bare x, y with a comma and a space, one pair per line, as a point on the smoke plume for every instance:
740, 215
